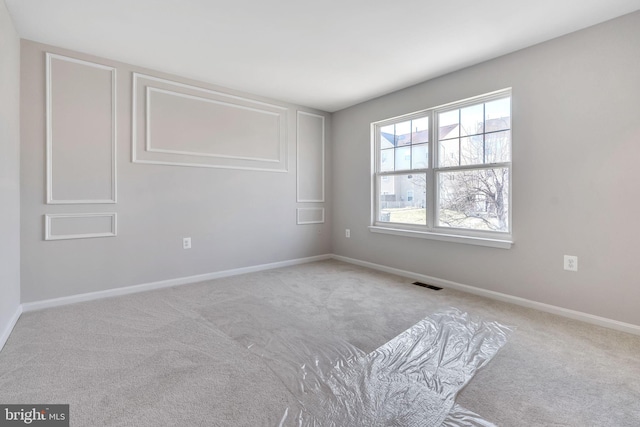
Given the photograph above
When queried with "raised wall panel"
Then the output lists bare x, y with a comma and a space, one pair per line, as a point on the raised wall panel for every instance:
184, 125
310, 157
80, 226
81, 131
310, 215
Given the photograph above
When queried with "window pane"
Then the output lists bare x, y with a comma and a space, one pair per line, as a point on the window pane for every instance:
471, 150
498, 147
472, 120
420, 129
474, 199
402, 199
403, 158
498, 115
403, 133
448, 125
387, 160
386, 137
449, 153
420, 156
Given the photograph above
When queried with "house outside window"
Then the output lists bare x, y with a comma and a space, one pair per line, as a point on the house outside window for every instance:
445, 172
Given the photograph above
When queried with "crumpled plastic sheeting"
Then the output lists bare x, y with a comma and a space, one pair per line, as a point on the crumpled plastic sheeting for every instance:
410, 381
296, 351
461, 417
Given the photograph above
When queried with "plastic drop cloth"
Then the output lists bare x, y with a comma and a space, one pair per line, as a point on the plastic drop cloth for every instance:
411, 380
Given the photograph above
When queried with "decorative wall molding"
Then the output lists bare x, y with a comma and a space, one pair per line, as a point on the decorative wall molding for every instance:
50, 58
150, 148
50, 218
300, 167
143, 149
310, 216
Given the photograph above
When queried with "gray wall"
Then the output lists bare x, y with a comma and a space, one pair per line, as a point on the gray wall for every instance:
576, 148
575, 130
9, 170
236, 218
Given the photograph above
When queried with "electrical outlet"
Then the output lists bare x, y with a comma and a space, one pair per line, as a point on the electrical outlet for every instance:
347, 233
186, 243
571, 263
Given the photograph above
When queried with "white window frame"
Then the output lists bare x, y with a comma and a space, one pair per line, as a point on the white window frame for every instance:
431, 230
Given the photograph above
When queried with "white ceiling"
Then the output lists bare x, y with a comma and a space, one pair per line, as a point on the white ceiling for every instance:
327, 54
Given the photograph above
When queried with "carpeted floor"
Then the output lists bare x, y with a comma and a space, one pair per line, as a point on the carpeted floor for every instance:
194, 355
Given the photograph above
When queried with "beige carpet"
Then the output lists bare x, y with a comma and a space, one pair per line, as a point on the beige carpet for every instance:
178, 356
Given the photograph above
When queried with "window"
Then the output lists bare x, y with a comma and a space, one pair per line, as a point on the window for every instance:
460, 192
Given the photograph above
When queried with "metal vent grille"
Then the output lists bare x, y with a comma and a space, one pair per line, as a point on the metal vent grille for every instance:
424, 285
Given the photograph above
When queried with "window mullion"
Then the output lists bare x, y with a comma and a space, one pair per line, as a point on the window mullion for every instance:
402, 172
474, 167
484, 132
433, 135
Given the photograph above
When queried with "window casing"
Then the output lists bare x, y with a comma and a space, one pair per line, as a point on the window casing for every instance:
445, 173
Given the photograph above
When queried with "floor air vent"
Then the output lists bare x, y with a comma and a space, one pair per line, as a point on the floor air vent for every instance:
424, 285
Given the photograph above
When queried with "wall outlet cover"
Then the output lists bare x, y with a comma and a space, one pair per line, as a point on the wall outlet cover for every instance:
571, 263
186, 243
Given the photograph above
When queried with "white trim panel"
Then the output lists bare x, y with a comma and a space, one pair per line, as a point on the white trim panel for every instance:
6, 333
306, 216
547, 308
142, 150
56, 302
300, 168
150, 149
49, 218
49, 125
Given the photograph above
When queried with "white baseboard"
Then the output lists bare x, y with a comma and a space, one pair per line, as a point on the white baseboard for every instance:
55, 302
572, 314
564, 312
9, 328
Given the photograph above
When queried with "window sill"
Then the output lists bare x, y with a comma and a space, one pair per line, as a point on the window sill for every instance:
478, 241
